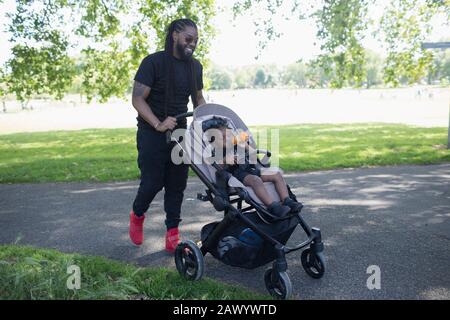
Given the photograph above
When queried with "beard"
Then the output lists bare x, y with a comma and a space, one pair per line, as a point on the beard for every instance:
184, 51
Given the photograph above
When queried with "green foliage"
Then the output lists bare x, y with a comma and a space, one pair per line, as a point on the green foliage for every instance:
317, 78
260, 78
342, 25
3, 88
242, 79
106, 73
439, 71
269, 10
99, 19
158, 15
294, 75
446, 69
3, 80
373, 69
112, 38
39, 63
251, 76
47, 70
405, 24
220, 79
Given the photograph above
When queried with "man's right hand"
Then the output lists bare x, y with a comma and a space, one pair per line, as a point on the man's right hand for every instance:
168, 124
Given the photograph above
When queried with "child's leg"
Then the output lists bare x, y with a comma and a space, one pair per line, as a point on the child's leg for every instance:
258, 187
278, 181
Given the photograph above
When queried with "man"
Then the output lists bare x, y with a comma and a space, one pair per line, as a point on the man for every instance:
163, 84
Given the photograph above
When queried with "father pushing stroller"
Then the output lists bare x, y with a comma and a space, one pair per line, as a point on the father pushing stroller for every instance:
163, 84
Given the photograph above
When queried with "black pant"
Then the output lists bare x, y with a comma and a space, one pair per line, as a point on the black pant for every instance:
158, 171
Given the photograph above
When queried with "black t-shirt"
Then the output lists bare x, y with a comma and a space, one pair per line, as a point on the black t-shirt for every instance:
153, 73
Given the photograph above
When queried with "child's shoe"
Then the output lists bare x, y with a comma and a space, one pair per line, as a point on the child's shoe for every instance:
294, 205
279, 210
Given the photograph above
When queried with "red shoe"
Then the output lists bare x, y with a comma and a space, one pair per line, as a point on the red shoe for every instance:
172, 239
137, 228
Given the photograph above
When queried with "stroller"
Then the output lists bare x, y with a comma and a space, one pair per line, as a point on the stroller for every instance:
248, 236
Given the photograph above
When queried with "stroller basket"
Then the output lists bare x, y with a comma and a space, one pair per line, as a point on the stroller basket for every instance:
239, 246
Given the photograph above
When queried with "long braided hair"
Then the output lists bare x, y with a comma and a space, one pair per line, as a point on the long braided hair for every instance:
178, 26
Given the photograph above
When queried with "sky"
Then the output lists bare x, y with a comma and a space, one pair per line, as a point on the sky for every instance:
236, 43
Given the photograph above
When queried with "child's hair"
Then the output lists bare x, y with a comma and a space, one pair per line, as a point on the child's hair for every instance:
214, 123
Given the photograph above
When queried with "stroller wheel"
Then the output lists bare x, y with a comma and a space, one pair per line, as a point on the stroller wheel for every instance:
278, 284
189, 260
313, 263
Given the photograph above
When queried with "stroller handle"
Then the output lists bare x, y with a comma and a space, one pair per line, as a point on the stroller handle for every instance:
178, 118
184, 115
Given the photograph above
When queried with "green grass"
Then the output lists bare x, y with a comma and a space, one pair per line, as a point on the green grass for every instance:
30, 273
319, 147
110, 154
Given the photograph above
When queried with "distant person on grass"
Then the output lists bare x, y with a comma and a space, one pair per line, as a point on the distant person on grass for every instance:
162, 86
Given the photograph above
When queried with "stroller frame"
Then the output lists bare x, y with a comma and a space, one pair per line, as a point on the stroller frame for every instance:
189, 254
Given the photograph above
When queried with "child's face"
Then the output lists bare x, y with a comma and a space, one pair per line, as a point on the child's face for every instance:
223, 137
227, 137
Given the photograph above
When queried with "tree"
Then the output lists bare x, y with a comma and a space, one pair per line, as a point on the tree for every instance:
39, 63
341, 28
374, 64
405, 25
341, 25
3, 89
220, 79
317, 78
294, 75
112, 37
260, 78
445, 73
47, 70
242, 79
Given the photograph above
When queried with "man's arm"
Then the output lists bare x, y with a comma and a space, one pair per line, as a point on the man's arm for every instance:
200, 98
140, 93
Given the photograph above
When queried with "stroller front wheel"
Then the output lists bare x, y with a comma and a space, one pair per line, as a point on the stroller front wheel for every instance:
189, 260
313, 263
278, 284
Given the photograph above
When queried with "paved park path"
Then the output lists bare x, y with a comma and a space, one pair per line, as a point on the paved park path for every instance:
397, 218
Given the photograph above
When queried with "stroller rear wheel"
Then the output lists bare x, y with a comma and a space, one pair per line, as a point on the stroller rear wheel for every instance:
189, 260
313, 263
278, 284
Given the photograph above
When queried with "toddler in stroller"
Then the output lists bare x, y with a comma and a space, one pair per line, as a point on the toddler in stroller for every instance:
247, 172
259, 218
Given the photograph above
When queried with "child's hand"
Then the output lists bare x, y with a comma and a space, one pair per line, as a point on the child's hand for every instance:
241, 138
